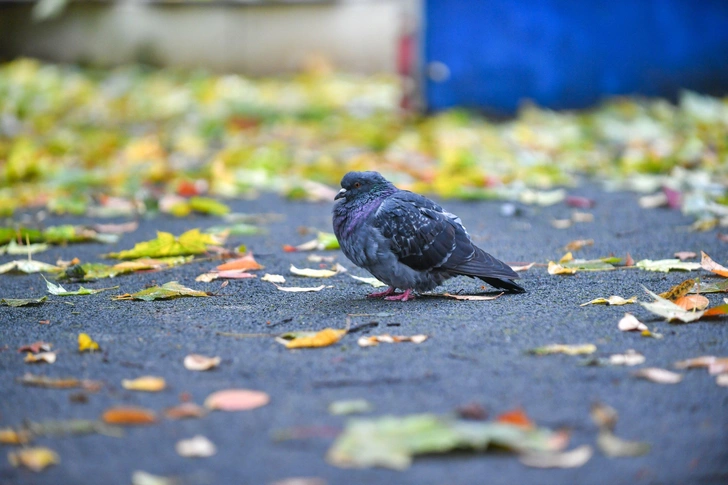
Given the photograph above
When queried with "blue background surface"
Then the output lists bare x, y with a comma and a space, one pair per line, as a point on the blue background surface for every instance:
570, 54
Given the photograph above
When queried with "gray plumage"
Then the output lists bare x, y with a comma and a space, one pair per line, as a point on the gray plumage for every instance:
406, 240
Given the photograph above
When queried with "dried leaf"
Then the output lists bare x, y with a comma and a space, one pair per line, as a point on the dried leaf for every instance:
561, 223
9, 436
702, 361
350, 406
516, 417
556, 269
566, 258
318, 273
612, 446
709, 265
581, 217
236, 400
629, 323
661, 376
666, 265
86, 343
692, 302
578, 244
370, 281
565, 349
567, 459
683, 255
722, 380
389, 339
49, 357
717, 311
717, 287
28, 266
36, 459
129, 416
323, 241
58, 290
36, 347
61, 383
196, 447
246, 263
164, 292
298, 289
467, 297
524, 267
604, 416
669, 310
679, 290
185, 410
612, 300
324, 338
274, 278
199, 362
144, 384
18, 302
630, 358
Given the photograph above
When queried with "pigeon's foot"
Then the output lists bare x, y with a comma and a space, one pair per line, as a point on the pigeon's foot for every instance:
380, 294
407, 295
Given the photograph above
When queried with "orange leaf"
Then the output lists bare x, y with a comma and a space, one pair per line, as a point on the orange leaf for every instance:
516, 417
717, 311
692, 302
144, 383
324, 338
236, 400
245, 263
707, 263
129, 416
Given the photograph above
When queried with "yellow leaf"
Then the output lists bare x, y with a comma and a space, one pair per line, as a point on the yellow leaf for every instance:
145, 383
556, 269
9, 436
86, 343
566, 258
35, 459
324, 338
612, 300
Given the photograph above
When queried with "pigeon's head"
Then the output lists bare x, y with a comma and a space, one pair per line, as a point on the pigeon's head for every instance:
356, 184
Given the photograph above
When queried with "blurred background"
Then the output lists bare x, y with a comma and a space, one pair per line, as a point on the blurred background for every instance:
470, 99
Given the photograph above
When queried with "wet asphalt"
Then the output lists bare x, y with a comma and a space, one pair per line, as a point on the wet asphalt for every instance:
476, 353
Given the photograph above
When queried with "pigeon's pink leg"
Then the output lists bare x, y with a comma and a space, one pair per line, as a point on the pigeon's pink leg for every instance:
407, 295
380, 294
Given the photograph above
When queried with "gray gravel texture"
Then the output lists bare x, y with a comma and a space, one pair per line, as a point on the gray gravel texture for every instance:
476, 353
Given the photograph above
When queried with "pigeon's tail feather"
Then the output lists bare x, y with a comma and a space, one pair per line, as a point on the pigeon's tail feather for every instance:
507, 285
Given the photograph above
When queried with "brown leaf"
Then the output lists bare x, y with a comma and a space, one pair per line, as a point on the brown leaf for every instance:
702, 361
578, 244
389, 339
661, 376
516, 417
144, 384
236, 400
246, 263
36, 347
683, 255
679, 290
199, 362
708, 264
692, 302
29, 379
35, 459
185, 410
129, 416
628, 261
604, 415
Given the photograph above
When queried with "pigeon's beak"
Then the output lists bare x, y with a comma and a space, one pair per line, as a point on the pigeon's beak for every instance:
342, 193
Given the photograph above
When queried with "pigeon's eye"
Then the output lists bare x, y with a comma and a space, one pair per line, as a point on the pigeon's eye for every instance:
357, 185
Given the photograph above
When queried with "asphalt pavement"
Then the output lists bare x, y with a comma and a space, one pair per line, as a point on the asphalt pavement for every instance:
476, 353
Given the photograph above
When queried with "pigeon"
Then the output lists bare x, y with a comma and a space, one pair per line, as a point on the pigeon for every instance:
408, 241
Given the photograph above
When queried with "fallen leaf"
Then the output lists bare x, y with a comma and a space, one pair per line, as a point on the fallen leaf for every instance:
121, 228
566, 258
143, 478
629, 323
9, 436
516, 417
629, 358
236, 400
612, 300
556, 269
666, 265
717, 311
274, 278
28, 266
246, 263
298, 289
683, 255
722, 380
300, 481
389, 339
661, 376
323, 338
323, 241
692, 302
36, 459
185, 410
581, 217
129, 416
612, 446
29, 379
36, 347
166, 291
578, 244
86, 343
199, 362
565, 349
709, 265
628, 261
166, 244
602, 264
717, 287
49, 357
18, 302
370, 281
669, 310
579, 202
524, 267
561, 223
59, 290
679, 290
392, 441
196, 447
567, 459
653, 201
318, 273
316, 258
467, 297
720, 366
144, 384
702, 361
350, 406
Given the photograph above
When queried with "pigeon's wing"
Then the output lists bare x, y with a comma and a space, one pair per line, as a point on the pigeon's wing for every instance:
421, 234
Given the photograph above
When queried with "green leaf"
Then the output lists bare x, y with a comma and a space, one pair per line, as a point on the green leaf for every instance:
164, 292
190, 243
16, 302
58, 290
588, 265
235, 230
667, 265
206, 205
327, 240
